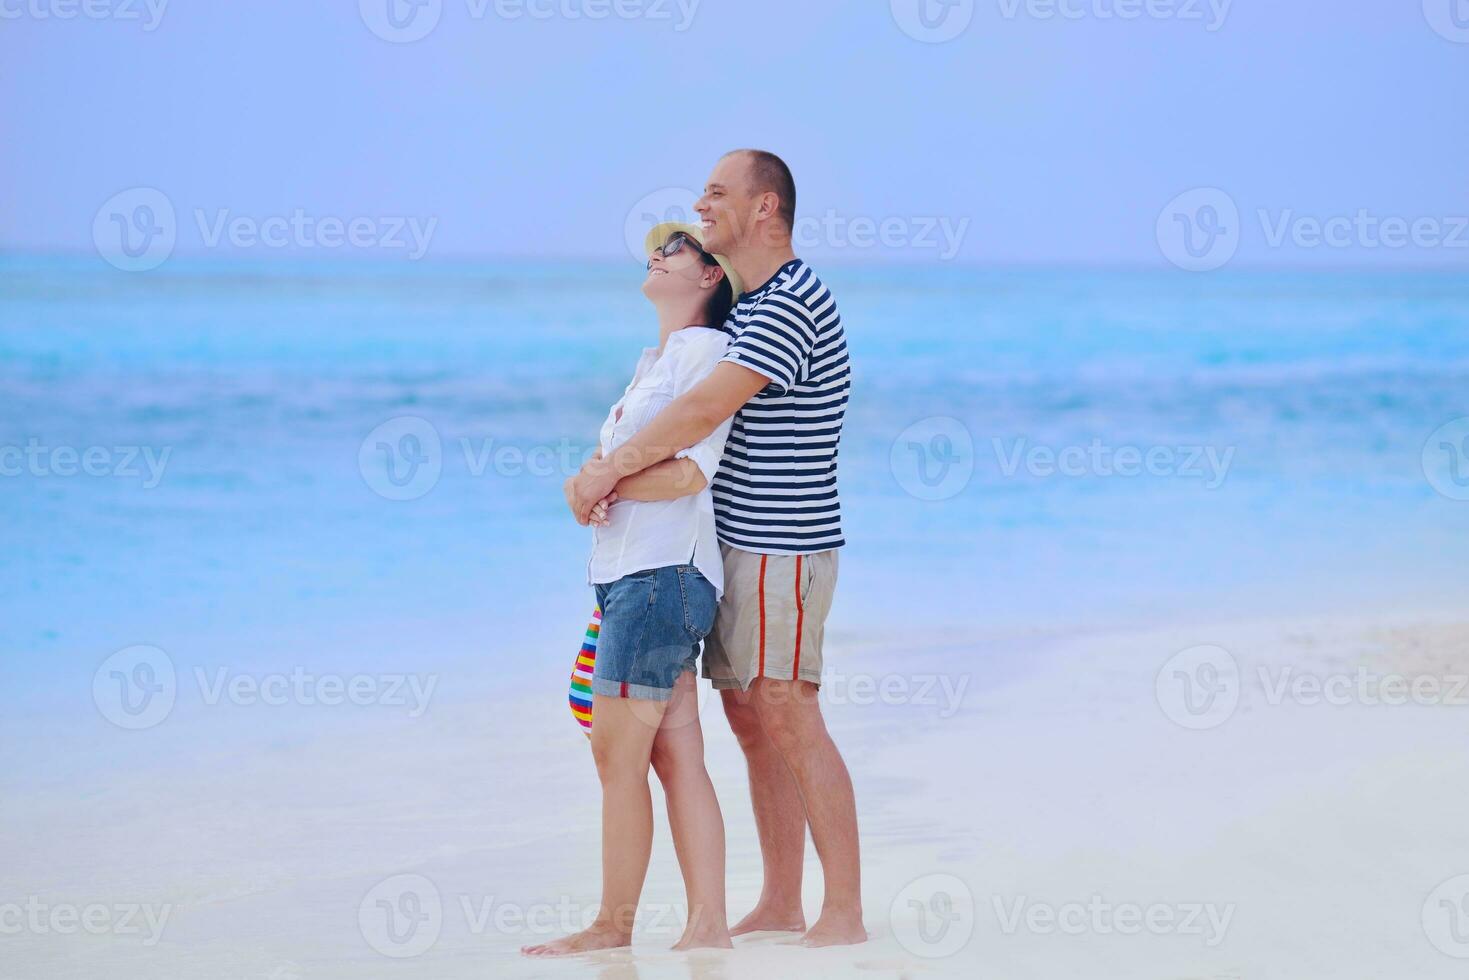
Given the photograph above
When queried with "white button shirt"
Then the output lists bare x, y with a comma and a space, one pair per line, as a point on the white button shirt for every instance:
652, 534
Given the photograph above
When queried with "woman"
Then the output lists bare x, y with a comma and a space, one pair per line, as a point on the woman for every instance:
658, 576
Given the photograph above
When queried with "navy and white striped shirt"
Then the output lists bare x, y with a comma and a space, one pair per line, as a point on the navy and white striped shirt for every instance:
776, 489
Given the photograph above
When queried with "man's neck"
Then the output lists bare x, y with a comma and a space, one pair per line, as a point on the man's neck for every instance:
757, 265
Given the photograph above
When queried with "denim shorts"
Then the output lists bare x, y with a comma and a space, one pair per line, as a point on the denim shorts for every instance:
652, 624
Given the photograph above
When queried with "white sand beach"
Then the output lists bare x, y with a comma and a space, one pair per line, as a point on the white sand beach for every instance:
1029, 809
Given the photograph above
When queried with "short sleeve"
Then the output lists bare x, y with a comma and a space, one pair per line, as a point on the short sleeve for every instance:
696, 360
776, 339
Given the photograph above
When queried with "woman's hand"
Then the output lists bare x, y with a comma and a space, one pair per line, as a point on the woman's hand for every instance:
600, 509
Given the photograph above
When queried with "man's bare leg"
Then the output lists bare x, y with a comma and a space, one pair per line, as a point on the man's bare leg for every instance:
780, 820
791, 716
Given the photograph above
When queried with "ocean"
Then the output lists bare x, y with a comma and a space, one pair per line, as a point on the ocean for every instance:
355, 467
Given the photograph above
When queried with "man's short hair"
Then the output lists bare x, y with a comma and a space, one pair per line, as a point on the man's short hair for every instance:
769, 173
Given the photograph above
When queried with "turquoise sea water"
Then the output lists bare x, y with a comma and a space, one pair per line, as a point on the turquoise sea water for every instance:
264, 541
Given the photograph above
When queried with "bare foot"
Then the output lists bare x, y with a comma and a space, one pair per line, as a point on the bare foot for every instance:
768, 919
586, 941
836, 929
704, 939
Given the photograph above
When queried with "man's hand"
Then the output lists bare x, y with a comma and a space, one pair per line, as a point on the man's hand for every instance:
588, 488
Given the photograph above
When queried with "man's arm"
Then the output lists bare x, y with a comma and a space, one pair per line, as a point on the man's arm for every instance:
688, 420
668, 480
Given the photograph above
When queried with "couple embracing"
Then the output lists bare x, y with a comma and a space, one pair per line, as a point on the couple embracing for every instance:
714, 503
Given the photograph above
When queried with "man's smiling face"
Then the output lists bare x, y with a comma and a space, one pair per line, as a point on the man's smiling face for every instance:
727, 207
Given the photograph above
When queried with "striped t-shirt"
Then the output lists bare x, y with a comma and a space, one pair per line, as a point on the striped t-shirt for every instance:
776, 489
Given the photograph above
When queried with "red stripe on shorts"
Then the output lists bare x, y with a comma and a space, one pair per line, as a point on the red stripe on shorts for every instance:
763, 560
800, 615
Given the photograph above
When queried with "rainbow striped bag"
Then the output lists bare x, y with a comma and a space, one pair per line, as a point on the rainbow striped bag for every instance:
581, 674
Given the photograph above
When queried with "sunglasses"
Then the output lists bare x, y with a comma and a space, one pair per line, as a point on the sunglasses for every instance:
674, 245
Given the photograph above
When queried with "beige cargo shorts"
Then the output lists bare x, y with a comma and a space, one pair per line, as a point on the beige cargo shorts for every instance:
772, 618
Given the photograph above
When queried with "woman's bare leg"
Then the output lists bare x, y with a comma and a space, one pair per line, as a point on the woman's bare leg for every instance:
623, 731
694, 817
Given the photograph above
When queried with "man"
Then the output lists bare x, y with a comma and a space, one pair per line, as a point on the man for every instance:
779, 522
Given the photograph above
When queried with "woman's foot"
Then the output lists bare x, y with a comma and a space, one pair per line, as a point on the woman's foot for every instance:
703, 938
771, 918
587, 941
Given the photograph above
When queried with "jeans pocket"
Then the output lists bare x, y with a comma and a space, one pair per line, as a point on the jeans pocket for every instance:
699, 602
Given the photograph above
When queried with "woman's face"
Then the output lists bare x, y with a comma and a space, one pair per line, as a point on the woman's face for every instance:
679, 276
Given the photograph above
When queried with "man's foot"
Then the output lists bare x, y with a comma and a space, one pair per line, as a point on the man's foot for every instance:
836, 929
586, 941
769, 918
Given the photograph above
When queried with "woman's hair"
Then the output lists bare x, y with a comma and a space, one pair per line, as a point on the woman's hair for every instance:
722, 301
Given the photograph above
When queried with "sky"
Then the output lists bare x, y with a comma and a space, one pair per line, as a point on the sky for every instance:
1187, 133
